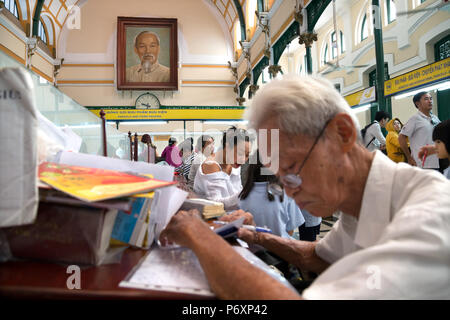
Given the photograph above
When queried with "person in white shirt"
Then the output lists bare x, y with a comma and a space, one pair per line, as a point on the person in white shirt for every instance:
374, 138
392, 239
441, 147
219, 177
204, 149
419, 129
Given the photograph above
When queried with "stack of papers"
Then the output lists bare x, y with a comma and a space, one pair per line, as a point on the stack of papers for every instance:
209, 209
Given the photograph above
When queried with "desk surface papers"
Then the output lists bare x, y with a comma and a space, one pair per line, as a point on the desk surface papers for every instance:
170, 270
180, 271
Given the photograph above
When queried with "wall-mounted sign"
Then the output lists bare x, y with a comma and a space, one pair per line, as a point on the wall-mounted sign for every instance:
434, 72
361, 97
170, 113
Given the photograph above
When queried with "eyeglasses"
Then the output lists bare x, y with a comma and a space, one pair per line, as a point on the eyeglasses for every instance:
292, 180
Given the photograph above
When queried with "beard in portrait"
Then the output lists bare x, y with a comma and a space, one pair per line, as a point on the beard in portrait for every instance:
147, 47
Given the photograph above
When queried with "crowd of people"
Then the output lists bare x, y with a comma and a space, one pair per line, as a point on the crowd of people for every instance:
326, 165
391, 240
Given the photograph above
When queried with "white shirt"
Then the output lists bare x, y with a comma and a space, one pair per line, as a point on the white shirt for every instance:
158, 73
198, 160
278, 216
375, 136
220, 187
419, 129
400, 246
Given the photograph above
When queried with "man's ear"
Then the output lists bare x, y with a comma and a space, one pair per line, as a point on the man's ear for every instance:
345, 131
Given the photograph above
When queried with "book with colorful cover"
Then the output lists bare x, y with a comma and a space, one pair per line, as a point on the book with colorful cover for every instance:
90, 184
131, 227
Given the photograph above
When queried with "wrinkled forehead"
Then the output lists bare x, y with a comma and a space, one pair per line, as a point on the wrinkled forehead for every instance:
146, 37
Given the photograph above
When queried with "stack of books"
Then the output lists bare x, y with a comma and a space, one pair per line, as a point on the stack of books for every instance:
81, 210
209, 209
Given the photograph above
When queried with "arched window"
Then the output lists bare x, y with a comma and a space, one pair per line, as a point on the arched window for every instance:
391, 11
251, 16
333, 45
364, 28
237, 35
12, 7
325, 54
334, 41
41, 32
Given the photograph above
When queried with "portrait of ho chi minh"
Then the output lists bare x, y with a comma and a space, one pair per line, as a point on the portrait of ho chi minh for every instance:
147, 48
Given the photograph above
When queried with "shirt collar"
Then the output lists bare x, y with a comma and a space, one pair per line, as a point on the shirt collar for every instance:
374, 215
152, 68
423, 115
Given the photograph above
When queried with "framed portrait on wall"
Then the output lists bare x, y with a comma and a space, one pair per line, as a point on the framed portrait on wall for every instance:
147, 54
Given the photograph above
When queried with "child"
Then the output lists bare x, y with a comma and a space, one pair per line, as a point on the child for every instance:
441, 138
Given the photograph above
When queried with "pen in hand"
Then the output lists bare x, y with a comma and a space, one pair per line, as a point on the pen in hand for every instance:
249, 227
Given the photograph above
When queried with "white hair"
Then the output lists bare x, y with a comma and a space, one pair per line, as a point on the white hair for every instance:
146, 32
302, 105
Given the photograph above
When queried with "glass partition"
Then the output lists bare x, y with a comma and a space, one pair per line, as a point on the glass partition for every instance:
62, 110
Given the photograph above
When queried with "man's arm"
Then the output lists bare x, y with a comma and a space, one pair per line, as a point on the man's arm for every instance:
405, 149
429, 149
229, 274
302, 254
379, 134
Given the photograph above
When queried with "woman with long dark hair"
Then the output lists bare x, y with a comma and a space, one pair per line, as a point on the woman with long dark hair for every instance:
265, 198
219, 177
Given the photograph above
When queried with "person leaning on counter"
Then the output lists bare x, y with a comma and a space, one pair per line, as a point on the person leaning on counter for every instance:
392, 239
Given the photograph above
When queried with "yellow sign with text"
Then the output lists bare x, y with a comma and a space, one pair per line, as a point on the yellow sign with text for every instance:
170, 114
361, 97
431, 73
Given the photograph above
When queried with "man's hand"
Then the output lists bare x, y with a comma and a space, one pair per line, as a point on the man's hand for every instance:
248, 236
182, 227
429, 149
237, 215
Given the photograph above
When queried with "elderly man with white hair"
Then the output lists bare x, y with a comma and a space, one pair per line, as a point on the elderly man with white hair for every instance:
392, 240
147, 48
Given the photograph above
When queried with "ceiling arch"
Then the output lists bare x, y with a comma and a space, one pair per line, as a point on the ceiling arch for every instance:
58, 11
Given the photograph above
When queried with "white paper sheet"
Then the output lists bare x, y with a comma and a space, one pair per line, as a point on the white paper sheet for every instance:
18, 145
180, 271
170, 270
166, 203
73, 142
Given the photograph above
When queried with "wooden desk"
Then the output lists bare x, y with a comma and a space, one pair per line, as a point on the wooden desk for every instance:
44, 280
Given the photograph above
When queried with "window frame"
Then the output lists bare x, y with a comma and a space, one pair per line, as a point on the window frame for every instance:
364, 25
334, 52
389, 11
42, 27
325, 55
15, 10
